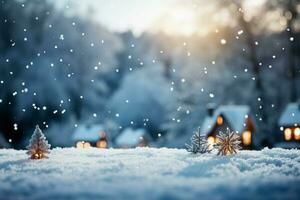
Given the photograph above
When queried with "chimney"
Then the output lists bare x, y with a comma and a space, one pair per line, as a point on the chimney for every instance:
210, 109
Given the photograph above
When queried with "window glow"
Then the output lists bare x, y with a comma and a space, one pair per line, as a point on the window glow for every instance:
102, 144
79, 144
211, 140
246, 137
86, 145
297, 133
287, 134
220, 120
83, 144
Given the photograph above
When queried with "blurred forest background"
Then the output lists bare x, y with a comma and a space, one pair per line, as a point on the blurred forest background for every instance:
60, 67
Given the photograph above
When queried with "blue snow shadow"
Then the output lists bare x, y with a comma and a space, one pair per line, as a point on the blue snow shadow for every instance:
203, 168
8, 164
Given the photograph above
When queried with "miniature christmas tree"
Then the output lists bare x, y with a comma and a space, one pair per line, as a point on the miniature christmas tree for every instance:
38, 146
227, 143
198, 144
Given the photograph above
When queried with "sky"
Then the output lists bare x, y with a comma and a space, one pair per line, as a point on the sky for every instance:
137, 15
183, 17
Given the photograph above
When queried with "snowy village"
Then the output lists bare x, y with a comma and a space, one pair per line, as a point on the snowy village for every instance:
132, 99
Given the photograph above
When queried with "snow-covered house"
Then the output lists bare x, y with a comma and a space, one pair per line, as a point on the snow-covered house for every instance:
131, 138
289, 122
88, 135
235, 117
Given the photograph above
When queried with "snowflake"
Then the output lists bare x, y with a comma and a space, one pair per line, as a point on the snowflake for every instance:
227, 143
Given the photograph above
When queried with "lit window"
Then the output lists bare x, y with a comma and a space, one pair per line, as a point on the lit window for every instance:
287, 134
102, 144
79, 144
246, 137
86, 145
211, 140
83, 144
220, 120
297, 133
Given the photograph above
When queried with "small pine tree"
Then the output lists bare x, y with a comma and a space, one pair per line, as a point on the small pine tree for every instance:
198, 144
38, 145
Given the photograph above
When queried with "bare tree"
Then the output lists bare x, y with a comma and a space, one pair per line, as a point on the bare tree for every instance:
292, 15
288, 8
236, 7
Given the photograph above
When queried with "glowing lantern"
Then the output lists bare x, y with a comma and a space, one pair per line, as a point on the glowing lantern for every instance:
287, 134
220, 120
297, 133
246, 137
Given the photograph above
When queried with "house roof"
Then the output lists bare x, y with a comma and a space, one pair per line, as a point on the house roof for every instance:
235, 115
130, 137
290, 115
87, 132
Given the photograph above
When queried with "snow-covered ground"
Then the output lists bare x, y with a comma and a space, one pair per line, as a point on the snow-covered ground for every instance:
148, 173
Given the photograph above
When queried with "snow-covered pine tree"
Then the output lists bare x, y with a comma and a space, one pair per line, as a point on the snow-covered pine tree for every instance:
198, 144
38, 145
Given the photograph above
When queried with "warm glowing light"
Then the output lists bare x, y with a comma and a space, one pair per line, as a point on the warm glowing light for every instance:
246, 137
37, 155
223, 41
82, 145
287, 134
211, 140
179, 20
86, 145
297, 133
79, 144
220, 120
102, 144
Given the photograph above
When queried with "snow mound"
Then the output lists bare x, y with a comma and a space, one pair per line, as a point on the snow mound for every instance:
149, 173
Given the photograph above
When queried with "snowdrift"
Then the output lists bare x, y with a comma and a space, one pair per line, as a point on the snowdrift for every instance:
149, 173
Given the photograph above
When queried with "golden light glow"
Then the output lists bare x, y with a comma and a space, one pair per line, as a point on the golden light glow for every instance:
181, 16
172, 17
288, 134
220, 120
102, 144
246, 137
79, 144
37, 156
86, 145
211, 140
297, 133
83, 144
